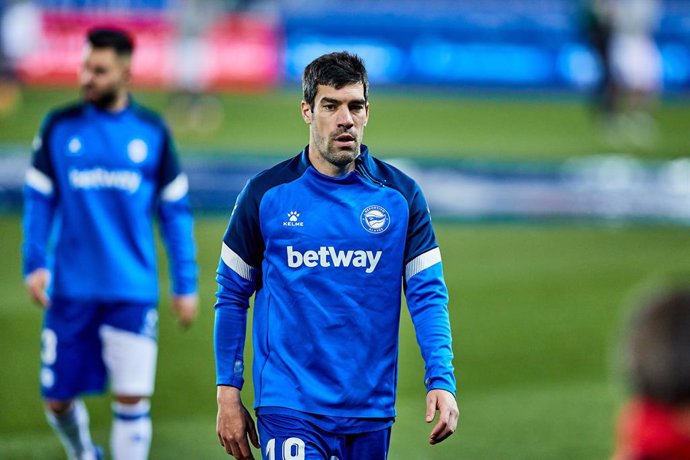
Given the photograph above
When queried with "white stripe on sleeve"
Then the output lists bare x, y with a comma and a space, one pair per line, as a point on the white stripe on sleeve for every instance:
176, 189
236, 264
39, 181
422, 262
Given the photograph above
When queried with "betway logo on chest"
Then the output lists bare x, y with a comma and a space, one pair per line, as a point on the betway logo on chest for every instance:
99, 178
328, 256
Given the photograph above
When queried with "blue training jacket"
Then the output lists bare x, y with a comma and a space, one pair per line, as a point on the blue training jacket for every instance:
96, 181
328, 258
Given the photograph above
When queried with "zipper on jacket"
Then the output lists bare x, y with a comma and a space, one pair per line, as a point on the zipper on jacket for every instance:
359, 167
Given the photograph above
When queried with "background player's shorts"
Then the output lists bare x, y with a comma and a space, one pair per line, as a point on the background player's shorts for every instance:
288, 437
84, 343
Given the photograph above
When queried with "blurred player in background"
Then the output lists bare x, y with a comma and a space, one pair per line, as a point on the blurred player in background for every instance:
101, 169
191, 105
327, 240
19, 20
655, 425
636, 69
596, 23
621, 32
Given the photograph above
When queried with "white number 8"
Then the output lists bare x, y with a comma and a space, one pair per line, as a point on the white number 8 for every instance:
49, 347
293, 449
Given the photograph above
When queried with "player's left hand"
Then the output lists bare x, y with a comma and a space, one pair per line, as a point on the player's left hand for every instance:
185, 307
447, 407
36, 284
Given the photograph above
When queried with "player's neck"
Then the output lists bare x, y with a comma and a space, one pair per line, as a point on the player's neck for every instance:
120, 102
321, 163
114, 104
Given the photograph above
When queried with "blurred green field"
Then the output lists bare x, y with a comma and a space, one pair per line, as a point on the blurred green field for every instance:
535, 309
420, 123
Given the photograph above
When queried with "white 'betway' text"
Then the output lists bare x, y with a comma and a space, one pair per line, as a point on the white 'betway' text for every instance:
99, 178
328, 256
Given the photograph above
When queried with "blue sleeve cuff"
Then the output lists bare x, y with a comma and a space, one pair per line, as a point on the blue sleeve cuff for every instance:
177, 227
441, 383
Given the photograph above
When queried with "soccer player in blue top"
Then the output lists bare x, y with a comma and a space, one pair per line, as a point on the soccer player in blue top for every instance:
101, 170
327, 240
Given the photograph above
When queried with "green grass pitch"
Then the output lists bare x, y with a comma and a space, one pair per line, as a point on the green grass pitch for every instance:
535, 314
535, 310
426, 124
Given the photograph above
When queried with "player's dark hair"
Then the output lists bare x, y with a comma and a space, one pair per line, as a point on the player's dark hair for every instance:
110, 37
335, 70
658, 348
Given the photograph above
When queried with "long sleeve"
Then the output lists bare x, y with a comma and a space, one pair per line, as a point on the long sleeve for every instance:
176, 222
230, 326
237, 282
40, 201
427, 298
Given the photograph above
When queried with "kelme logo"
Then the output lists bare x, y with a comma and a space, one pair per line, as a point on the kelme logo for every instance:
293, 220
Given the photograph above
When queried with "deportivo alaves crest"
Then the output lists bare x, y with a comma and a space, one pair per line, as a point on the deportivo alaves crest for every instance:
375, 219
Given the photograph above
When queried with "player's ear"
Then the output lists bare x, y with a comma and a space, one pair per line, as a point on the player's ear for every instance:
126, 63
306, 112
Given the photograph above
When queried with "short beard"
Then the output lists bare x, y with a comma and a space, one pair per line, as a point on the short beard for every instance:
335, 156
106, 100
340, 157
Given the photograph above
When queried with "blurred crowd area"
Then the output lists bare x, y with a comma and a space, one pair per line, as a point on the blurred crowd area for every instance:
620, 55
233, 43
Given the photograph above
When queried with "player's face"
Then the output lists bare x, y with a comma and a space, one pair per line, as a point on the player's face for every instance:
337, 123
104, 76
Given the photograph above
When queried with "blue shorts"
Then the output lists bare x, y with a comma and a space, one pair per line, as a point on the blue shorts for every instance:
285, 437
84, 343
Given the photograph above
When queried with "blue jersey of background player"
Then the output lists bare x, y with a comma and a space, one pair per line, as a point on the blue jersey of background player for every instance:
101, 170
328, 240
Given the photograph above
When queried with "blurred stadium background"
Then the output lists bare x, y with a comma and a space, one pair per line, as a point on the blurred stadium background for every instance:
550, 224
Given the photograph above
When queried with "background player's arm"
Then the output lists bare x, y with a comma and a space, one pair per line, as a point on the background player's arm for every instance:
40, 201
177, 229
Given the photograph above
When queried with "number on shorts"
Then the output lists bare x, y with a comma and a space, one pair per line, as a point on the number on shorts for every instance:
293, 449
48, 346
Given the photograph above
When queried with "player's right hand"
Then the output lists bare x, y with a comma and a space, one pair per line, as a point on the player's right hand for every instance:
37, 283
185, 307
234, 424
